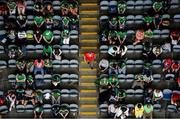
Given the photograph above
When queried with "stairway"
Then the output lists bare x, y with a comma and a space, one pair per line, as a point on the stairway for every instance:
88, 96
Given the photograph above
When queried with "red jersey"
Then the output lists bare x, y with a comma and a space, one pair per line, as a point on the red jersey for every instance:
175, 66
90, 56
167, 63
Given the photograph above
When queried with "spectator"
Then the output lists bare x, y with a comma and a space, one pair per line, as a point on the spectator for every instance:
147, 49
65, 36
139, 110
122, 67
20, 79
175, 98
175, 66
103, 65
157, 50
113, 68
56, 110
12, 7
65, 22
139, 37
122, 24
112, 37
55, 80
157, 21
175, 37
89, 57
113, 51
29, 96
138, 81
111, 110
103, 81
38, 7
12, 98
21, 7
12, 53
38, 111
48, 36
122, 112
113, 23
73, 9
20, 95
57, 54
167, 65
157, 6
29, 67
64, 111
148, 111
30, 84
39, 21
21, 21
157, 96
56, 97
48, 10
38, 36
121, 37
38, 66
38, 97
49, 22
48, 66
113, 80
64, 9
121, 7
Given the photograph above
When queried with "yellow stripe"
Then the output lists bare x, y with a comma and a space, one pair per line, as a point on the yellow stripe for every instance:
88, 4
89, 26
88, 98
88, 91
87, 77
82, 62
87, 69
88, 33
88, 113
88, 41
88, 106
88, 18
88, 48
88, 11
87, 84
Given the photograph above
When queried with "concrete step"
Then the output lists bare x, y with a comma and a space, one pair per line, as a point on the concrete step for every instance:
88, 21
96, 36
87, 41
89, 16
88, 29
88, 84
88, 1
88, 109
90, 11
89, 33
92, 19
89, 4
92, 95
92, 7
87, 87
88, 114
93, 105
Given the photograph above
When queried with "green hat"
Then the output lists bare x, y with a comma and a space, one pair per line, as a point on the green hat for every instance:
48, 34
157, 6
148, 19
30, 78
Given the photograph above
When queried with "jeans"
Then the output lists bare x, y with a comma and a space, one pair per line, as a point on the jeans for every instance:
36, 69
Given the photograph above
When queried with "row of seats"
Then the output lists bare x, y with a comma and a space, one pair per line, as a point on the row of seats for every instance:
135, 4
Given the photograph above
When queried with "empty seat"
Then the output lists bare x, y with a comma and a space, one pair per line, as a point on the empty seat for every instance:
156, 78
130, 5
47, 107
65, 78
12, 63
12, 78
47, 78
20, 108
177, 18
130, 19
4, 109
74, 49
174, 4
139, 5
104, 5
104, 49
65, 63
56, 63
165, 33
147, 4
138, 19
73, 78
29, 108
157, 107
56, 5
39, 49
74, 34
113, 6
65, 49
3, 64
74, 63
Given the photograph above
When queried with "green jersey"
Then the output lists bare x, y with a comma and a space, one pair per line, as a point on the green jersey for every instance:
39, 20
48, 35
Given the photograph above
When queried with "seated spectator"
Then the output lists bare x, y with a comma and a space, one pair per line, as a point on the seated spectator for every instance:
64, 9
175, 98
148, 21
157, 96
39, 21
113, 23
39, 66
11, 35
12, 7
178, 82
122, 67
21, 21
121, 22
30, 83
4, 9
65, 22
29, 96
121, 96
56, 110
122, 112
175, 37
38, 7
157, 51
111, 110
38, 36
139, 110
56, 79
104, 37
157, 21
20, 95
21, 7
49, 22
57, 54
56, 97
47, 51
139, 37
147, 69
113, 51
103, 65
103, 81
112, 37
38, 111
12, 53
73, 9
64, 111
48, 10
20, 79
148, 78
138, 81
157, 6
12, 98
121, 7
65, 36
148, 111
113, 68
175, 67
113, 80
48, 66
121, 37
48, 36
147, 49
29, 67
21, 35
148, 34
74, 24
38, 97
167, 65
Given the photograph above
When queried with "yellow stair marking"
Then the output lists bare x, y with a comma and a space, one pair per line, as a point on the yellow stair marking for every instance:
88, 113
88, 4
88, 11
88, 91
87, 77
88, 18
82, 62
88, 33
88, 41
88, 48
88, 98
88, 106
87, 69
87, 84
89, 26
